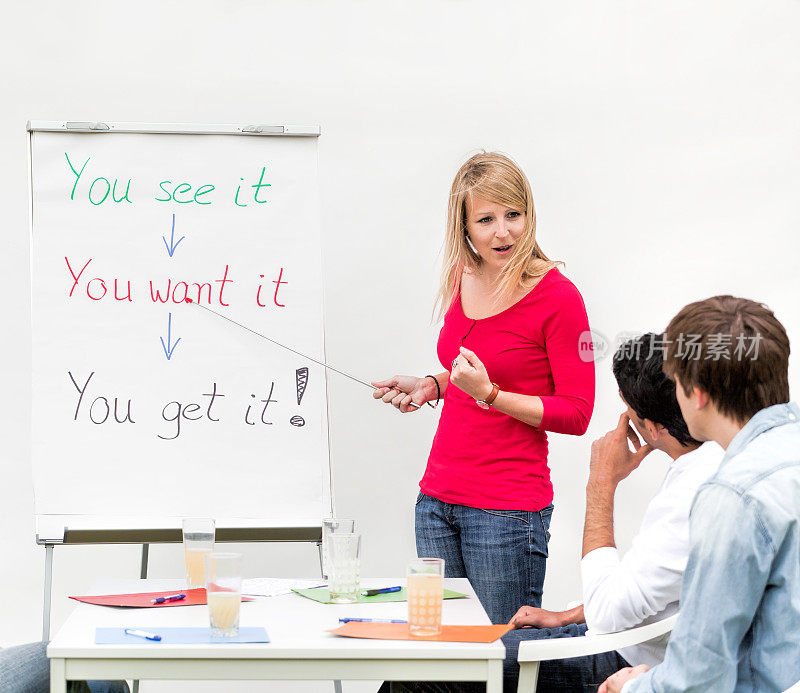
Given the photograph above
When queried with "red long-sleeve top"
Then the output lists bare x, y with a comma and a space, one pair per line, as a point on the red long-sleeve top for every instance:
483, 458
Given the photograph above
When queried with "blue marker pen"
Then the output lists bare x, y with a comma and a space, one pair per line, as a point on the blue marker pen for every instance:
173, 598
142, 634
382, 590
371, 620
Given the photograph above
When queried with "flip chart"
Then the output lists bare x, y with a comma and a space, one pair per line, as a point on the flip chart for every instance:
144, 404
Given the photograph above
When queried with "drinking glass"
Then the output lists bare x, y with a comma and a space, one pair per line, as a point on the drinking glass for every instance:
224, 592
345, 557
198, 542
332, 525
425, 588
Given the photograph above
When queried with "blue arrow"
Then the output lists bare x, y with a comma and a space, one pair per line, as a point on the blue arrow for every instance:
169, 347
172, 245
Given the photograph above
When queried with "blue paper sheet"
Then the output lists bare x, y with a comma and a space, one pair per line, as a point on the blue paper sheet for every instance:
177, 636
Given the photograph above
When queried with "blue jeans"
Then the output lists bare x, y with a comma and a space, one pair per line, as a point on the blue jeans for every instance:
573, 675
503, 553
26, 669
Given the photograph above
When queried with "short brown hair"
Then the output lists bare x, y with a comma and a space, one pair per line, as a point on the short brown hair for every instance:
752, 375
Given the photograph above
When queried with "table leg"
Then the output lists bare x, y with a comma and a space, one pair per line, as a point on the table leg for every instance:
58, 676
494, 680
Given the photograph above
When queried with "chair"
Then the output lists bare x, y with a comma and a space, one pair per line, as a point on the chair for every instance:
534, 651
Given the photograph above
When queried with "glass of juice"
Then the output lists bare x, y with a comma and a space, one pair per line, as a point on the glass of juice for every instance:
425, 587
345, 561
198, 542
224, 592
332, 525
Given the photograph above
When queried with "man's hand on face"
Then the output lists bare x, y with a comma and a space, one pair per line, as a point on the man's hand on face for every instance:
531, 617
615, 682
612, 459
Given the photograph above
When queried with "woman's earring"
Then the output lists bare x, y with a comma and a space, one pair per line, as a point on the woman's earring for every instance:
471, 246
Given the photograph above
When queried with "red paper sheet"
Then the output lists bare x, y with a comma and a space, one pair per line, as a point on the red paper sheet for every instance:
399, 631
194, 597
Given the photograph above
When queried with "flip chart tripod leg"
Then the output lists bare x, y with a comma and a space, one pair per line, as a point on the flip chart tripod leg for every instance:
48, 588
145, 555
143, 576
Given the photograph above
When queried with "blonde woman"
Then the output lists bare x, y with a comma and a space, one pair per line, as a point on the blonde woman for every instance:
510, 347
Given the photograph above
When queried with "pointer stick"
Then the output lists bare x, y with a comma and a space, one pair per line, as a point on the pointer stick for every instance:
283, 346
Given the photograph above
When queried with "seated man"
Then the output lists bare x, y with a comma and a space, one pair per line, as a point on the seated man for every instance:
644, 585
739, 626
26, 669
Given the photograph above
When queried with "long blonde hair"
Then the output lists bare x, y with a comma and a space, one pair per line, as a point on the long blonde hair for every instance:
496, 178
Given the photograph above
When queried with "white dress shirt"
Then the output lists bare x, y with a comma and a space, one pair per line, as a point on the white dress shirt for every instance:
644, 585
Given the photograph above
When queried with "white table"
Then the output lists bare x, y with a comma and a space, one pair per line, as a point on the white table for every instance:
300, 647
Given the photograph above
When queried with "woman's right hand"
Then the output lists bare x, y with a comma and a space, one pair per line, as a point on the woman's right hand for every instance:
401, 390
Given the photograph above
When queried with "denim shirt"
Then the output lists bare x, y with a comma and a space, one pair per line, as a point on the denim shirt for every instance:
739, 624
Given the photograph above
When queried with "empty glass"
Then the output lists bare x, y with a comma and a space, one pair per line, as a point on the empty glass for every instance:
224, 592
332, 525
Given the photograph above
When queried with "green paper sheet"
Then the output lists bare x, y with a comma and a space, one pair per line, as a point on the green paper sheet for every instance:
323, 595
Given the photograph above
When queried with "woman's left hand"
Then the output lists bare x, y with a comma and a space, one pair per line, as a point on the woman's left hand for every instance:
469, 375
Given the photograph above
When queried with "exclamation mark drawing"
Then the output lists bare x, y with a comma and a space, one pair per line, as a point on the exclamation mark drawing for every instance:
301, 380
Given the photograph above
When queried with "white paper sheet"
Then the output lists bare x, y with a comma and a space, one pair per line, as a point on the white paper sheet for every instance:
274, 587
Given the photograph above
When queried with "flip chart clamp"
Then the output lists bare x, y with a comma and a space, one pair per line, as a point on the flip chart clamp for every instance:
76, 126
264, 129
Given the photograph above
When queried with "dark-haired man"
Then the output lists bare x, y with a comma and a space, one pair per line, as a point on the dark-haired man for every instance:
643, 586
739, 626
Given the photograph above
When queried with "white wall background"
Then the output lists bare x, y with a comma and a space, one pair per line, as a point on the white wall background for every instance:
662, 141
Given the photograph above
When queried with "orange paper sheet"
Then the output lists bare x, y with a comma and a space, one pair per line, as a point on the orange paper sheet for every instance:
399, 631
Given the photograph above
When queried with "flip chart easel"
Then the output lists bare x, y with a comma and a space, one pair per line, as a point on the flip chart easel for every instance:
142, 400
